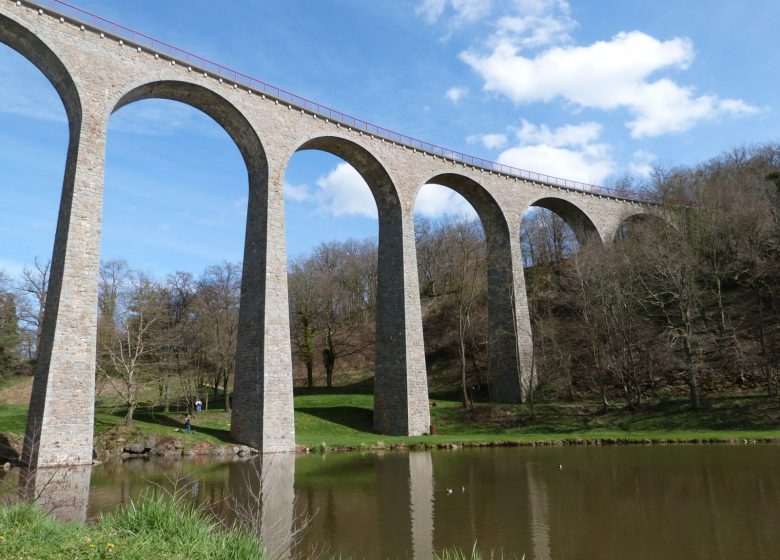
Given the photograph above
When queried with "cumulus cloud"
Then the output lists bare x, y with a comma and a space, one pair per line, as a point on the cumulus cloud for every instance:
434, 201
642, 164
570, 151
456, 93
525, 52
490, 141
458, 12
606, 75
343, 192
298, 193
531, 24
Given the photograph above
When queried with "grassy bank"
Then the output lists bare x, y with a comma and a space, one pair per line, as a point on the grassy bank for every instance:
342, 418
151, 528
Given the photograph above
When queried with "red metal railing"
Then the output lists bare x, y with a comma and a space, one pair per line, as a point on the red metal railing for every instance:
63, 9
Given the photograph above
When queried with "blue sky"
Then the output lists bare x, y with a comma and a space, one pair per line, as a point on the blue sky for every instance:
583, 90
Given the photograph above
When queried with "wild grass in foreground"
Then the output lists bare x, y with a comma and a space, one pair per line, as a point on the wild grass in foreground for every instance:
474, 554
154, 527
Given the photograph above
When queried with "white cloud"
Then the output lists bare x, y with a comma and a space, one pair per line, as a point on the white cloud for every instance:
434, 201
606, 75
534, 24
567, 135
431, 10
490, 141
456, 93
344, 192
570, 152
642, 163
298, 193
459, 12
470, 11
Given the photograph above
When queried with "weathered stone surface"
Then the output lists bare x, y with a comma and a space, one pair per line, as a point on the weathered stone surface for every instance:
96, 73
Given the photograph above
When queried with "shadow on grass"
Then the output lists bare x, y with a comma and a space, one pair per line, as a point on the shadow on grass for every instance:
352, 417
358, 388
163, 419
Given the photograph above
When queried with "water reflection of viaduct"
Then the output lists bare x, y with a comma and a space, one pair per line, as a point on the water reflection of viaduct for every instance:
97, 72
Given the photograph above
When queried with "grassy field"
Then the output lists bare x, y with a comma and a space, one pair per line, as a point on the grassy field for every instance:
342, 418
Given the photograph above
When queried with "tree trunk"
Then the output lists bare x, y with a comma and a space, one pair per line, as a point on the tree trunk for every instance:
462, 348
226, 381
129, 415
329, 360
167, 402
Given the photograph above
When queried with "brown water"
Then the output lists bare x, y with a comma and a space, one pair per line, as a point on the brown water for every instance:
685, 502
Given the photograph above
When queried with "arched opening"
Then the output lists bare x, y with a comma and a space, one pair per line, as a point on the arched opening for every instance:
347, 295
636, 224
452, 266
552, 232
179, 159
552, 229
332, 237
485, 279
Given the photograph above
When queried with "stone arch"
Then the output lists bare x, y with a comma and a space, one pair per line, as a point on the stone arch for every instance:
506, 298
490, 214
262, 405
367, 165
31, 47
212, 104
623, 230
400, 384
574, 216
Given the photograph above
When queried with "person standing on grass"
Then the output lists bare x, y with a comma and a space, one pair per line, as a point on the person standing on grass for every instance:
187, 424
198, 405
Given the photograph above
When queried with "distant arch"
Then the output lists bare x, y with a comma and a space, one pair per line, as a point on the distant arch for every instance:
487, 208
400, 388
574, 216
366, 164
504, 358
215, 106
31, 47
640, 220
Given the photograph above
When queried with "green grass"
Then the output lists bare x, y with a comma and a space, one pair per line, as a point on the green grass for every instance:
342, 418
155, 527
13, 418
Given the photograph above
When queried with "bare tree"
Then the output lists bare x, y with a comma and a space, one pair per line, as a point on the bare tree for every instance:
218, 295
33, 287
306, 306
133, 338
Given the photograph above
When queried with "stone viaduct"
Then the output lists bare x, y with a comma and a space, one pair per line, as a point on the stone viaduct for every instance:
98, 67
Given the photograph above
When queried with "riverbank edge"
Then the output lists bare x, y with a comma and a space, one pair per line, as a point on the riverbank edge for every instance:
177, 449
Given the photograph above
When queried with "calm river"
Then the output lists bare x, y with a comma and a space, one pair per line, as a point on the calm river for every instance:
684, 502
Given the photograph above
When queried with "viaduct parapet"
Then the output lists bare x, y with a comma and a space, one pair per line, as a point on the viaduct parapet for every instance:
97, 69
